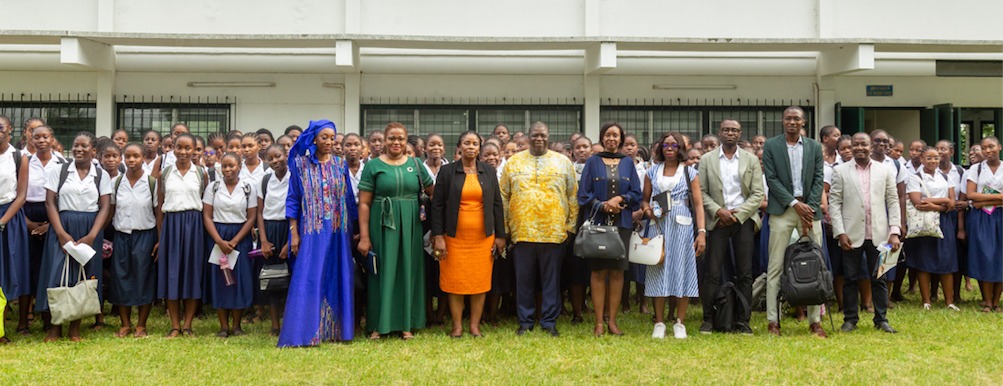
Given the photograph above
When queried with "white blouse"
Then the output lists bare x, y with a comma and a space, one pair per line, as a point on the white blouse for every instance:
38, 174
354, 179
937, 184
275, 204
148, 166
182, 192
134, 204
79, 195
986, 178
251, 176
8, 176
230, 207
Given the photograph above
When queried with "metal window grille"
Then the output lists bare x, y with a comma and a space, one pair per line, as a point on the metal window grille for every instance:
203, 115
67, 114
650, 122
451, 121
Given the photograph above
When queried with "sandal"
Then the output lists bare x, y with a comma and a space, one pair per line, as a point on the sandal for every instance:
140, 333
4, 340
123, 332
23, 331
276, 331
222, 334
237, 332
188, 332
98, 326
407, 335
987, 309
173, 333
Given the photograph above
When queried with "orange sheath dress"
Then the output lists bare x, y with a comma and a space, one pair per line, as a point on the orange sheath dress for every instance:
466, 270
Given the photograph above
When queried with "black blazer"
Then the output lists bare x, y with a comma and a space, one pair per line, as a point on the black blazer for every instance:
446, 200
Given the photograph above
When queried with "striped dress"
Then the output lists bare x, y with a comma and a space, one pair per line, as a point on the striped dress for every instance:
677, 275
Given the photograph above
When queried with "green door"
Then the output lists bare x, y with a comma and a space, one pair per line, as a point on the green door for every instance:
948, 126
928, 126
849, 120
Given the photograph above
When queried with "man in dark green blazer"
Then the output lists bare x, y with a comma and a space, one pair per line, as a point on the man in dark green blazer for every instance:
793, 167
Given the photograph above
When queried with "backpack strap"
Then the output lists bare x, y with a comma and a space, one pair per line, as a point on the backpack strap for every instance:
64, 173
247, 193
153, 189
264, 186
689, 190
212, 173
17, 164
114, 194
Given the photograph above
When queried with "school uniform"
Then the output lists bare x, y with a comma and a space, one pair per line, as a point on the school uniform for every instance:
77, 203
985, 249
273, 192
148, 165
181, 257
15, 275
229, 213
251, 176
34, 210
931, 254
132, 274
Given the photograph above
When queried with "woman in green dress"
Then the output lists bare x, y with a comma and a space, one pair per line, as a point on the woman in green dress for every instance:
389, 190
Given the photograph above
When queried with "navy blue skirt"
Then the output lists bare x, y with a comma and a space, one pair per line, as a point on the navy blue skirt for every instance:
15, 272
35, 211
77, 224
240, 295
985, 247
277, 233
933, 255
132, 280
181, 257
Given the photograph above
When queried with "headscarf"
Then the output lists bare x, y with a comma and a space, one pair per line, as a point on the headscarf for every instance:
305, 143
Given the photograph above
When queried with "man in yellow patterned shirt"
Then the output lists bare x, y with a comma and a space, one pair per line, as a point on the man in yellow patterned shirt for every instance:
539, 190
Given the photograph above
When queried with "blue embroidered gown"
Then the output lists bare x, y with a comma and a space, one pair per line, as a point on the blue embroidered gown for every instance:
320, 303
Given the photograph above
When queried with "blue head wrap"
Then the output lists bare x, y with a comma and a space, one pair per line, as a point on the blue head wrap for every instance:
305, 141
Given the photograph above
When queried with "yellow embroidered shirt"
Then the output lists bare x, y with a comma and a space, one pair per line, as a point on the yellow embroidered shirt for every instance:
539, 194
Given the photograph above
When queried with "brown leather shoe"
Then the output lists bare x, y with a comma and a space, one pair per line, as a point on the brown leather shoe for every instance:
816, 329
774, 328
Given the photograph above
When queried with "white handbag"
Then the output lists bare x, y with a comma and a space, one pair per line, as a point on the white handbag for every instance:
646, 251
66, 303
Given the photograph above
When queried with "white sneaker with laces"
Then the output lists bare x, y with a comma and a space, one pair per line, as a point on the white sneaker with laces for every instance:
953, 307
659, 332
679, 330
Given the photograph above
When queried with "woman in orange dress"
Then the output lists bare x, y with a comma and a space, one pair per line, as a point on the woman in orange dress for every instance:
467, 227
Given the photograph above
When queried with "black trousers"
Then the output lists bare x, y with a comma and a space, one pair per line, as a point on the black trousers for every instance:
851, 293
722, 243
533, 262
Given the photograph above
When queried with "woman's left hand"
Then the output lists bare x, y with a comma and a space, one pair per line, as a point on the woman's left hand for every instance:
439, 247
89, 240
499, 244
700, 244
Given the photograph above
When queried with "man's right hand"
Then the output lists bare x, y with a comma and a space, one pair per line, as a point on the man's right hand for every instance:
844, 242
725, 217
806, 212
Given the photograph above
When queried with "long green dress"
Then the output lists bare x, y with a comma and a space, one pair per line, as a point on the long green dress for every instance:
397, 291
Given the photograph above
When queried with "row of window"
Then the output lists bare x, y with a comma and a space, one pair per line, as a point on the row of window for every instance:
449, 121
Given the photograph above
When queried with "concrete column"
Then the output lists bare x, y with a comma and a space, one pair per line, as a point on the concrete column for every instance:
352, 100
105, 118
591, 115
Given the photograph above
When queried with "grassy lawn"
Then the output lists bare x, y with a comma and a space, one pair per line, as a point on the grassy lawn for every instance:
932, 347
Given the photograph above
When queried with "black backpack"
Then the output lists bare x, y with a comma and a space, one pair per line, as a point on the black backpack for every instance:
805, 280
730, 307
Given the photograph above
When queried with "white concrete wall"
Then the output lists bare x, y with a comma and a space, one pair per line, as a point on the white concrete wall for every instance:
917, 19
708, 18
918, 91
230, 16
473, 18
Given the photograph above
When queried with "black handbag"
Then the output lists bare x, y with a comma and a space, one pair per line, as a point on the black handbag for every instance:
595, 241
274, 277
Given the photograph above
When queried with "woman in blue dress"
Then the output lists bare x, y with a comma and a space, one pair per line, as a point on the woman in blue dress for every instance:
676, 277
321, 210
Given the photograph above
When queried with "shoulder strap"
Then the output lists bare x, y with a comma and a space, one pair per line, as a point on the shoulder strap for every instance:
419, 166
247, 193
153, 189
897, 165
64, 172
264, 186
118, 182
212, 174
97, 178
215, 188
17, 164
689, 188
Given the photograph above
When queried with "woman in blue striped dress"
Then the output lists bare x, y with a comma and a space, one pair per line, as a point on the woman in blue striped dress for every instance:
676, 277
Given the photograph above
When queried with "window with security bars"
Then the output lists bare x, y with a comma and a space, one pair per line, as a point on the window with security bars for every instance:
66, 118
451, 121
649, 123
202, 119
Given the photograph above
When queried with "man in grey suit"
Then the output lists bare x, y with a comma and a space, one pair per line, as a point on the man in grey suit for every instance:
793, 166
733, 187
864, 211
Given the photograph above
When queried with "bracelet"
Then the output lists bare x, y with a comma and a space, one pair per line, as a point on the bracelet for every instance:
701, 230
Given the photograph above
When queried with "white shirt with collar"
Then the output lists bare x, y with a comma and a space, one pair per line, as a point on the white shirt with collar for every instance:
148, 166
230, 207
133, 204
169, 159
354, 179
182, 193
730, 181
986, 178
78, 195
428, 169
937, 184
901, 175
38, 174
8, 176
274, 208
795, 153
251, 176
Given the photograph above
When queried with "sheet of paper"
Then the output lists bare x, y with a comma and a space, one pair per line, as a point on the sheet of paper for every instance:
217, 253
82, 253
886, 259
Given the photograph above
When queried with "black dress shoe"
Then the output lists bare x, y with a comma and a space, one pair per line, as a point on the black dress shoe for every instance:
884, 326
552, 331
848, 327
522, 331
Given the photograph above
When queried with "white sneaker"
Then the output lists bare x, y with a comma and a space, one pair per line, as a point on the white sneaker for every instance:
926, 306
679, 330
659, 332
953, 307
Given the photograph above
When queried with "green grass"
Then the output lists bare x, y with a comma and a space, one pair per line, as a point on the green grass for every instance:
932, 347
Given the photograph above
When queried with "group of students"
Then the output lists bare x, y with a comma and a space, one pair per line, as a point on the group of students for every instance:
338, 208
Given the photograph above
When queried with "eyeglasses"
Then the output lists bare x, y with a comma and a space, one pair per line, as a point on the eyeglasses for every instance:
670, 146
210, 152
